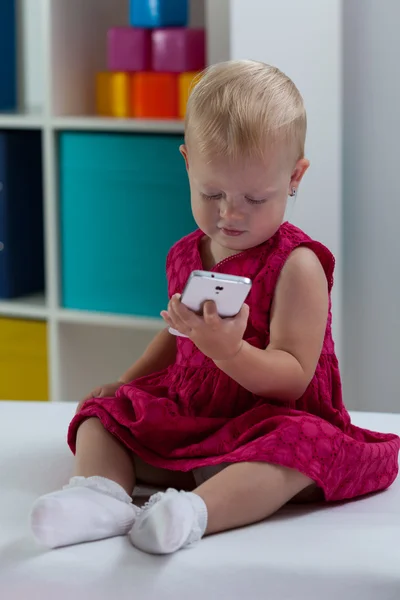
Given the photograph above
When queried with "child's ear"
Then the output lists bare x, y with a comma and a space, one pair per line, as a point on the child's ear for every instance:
183, 150
298, 173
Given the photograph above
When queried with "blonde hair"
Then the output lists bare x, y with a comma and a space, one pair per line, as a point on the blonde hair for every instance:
236, 108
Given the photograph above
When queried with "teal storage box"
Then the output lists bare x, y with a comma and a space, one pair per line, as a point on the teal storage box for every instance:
124, 201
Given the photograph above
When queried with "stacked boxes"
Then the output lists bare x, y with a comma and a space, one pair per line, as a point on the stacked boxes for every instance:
152, 63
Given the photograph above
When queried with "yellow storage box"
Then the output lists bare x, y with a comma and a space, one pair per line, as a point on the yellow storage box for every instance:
186, 83
23, 360
113, 94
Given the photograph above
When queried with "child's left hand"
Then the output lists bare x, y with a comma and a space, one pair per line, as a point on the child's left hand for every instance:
219, 339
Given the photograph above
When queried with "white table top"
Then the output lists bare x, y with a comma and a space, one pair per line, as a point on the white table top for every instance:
349, 551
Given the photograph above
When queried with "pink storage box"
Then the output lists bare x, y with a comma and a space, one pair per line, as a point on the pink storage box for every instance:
129, 49
177, 50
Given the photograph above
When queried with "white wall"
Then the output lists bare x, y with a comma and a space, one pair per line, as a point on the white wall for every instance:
371, 204
303, 39
218, 30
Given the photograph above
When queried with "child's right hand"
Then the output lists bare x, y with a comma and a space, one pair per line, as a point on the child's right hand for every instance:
107, 390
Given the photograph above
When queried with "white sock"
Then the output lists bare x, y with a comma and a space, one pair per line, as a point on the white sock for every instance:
85, 510
170, 521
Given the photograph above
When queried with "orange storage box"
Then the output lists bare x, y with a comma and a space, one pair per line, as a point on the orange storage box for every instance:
154, 96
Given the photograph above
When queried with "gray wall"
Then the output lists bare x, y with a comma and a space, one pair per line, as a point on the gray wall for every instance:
371, 207
304, 39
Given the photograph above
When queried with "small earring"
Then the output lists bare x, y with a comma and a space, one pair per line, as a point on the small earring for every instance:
293, 192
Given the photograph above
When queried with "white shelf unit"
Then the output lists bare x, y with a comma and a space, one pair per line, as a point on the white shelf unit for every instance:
104, 124
31, 307
21, 120
63, 45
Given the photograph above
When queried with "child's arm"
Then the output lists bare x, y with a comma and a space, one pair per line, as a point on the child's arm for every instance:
297, 329
159, 355
298, 323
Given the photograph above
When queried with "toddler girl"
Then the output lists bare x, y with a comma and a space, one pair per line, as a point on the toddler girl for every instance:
244, 414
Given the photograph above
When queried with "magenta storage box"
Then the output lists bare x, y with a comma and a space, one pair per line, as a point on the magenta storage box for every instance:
129, 49
177, 50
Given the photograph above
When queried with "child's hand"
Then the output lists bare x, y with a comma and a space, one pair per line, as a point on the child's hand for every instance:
219, 339
107, 390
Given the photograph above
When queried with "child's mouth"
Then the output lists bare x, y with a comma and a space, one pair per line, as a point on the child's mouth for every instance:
231, 232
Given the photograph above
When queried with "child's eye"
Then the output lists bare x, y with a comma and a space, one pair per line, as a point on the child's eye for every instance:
213, 197
252, 201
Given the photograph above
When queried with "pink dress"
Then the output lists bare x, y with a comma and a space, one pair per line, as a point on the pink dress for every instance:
192, 414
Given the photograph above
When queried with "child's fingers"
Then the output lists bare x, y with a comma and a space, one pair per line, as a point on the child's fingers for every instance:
166, 317
175, 317
245, 311
243, 315
210, 313
183, 313
81, 403
171, 322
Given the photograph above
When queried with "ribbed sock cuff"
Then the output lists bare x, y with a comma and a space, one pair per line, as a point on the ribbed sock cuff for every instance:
102, 485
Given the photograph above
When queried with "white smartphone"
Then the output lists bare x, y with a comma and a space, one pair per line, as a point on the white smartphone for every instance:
227, 291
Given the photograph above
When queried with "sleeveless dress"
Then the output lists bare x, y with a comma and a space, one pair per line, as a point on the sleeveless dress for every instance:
193, 415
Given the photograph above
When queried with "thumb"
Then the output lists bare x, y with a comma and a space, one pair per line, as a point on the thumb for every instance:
244, 313
210, 310
210, 307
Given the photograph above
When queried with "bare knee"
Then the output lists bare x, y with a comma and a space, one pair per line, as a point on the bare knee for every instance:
92, 434
92, 424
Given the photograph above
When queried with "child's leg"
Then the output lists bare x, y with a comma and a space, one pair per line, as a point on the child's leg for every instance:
246, 493
100, 453
97, 502
241, 494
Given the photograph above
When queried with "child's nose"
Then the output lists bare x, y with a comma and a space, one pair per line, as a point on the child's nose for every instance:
230, 210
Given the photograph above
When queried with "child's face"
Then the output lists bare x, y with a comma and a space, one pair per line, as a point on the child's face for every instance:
241, 204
